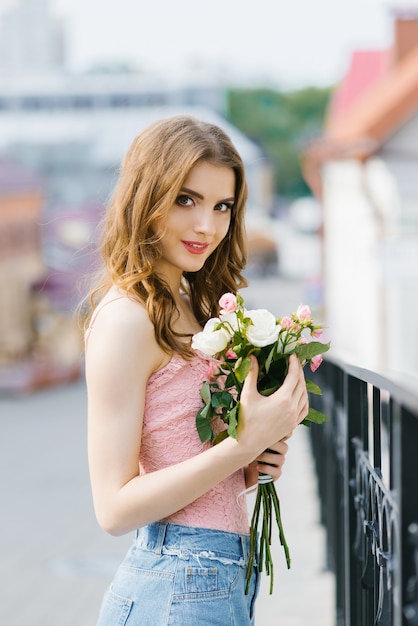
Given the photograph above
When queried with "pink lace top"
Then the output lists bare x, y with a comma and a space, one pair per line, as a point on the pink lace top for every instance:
169, 436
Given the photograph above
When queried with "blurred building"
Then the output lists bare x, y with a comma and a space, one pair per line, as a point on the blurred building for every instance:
21, 204
30, 39
62, 122
72, 132
55, 93
39, 339
364, 170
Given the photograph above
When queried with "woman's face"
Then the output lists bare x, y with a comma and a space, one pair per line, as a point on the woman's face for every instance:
198, 221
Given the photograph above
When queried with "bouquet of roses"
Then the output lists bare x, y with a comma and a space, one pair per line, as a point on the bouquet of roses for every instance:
232, 338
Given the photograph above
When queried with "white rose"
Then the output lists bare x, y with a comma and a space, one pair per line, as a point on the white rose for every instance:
231, 321
264, 329
211, 341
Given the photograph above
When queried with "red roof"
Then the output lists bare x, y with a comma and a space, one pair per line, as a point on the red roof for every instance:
378, 95
366, 67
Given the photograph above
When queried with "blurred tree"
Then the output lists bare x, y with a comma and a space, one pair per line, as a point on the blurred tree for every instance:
282, 123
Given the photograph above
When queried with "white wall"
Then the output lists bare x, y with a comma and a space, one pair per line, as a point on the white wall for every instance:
400, 250
371, 264
400, 155
353, 297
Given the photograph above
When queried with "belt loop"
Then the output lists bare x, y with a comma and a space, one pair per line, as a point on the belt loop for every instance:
162, 528
244, 544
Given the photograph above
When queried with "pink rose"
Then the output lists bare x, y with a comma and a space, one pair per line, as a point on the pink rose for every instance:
228, 303
303, 312
317, 333
303, 340
286, 322
230, 354
315, 362
211, 371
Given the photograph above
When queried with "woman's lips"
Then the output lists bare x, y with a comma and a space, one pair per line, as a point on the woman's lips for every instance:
195, 247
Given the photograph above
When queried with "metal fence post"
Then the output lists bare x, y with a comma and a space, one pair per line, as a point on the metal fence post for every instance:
366, 457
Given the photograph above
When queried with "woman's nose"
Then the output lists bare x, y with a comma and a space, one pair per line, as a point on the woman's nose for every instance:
205, 222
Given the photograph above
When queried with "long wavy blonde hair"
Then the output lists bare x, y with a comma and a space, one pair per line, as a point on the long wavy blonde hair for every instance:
152, 175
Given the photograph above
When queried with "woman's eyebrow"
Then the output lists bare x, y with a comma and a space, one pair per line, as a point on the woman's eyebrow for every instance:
198, 195
192, 193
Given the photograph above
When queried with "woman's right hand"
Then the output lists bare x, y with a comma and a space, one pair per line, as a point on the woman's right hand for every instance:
264, 420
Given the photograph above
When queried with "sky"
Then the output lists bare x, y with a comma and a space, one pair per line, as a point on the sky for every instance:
286, 42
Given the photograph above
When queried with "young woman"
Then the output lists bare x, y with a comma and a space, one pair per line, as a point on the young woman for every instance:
172, 244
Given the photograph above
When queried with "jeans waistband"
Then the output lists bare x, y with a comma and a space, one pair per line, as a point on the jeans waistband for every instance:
164, 537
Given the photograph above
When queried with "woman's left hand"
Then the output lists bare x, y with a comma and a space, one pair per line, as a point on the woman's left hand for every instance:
269, 462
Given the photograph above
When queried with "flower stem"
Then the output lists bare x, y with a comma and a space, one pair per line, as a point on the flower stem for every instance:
253, 540
267, 499
276, 504
267, 536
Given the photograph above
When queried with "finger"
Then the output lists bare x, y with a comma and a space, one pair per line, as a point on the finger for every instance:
271, 463
294, 373
303, 406
274, 472
279, 447
250, 383
287, 436
302, 415
274, 459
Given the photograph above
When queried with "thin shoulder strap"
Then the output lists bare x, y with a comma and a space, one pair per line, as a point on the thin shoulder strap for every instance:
95, 314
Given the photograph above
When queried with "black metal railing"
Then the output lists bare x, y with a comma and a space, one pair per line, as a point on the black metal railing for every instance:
366, 457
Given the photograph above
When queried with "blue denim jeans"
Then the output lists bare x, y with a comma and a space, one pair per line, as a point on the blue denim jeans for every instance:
182, 576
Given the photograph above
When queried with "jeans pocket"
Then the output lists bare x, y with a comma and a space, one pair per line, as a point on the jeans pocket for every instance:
201, 579
115, 609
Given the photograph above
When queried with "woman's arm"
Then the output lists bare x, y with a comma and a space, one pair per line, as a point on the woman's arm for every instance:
122, 353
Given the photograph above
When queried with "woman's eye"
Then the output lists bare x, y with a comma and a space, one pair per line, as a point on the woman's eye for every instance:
223, 207
184, 201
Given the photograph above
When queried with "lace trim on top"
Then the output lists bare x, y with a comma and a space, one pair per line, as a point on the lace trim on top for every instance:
169, 436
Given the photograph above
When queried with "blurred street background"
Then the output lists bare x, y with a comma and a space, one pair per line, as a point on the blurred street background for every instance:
321, 100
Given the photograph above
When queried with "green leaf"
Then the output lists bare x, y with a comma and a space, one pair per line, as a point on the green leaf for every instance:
237, 348
233, 421
203, 425
269, 358
243, 368
311, 349
221, 398
230, 381
313, 388
316, 416
206, 411
205, 393
268, 391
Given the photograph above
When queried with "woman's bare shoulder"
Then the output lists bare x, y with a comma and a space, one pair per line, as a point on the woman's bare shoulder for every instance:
121, 324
